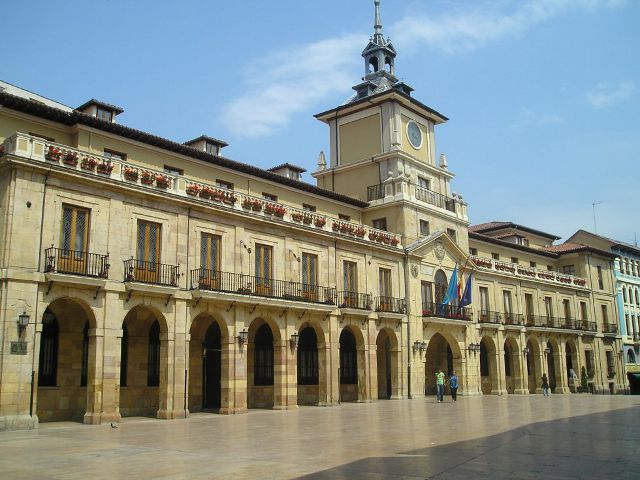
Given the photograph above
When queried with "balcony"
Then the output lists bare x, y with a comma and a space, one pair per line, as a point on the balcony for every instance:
586, 325
360, 301
151, 272
128, 175
375, 192
436, 199
446, 311
513, 319
217, 281
610, 329
486, 316
528, 273
73, 262
390, 305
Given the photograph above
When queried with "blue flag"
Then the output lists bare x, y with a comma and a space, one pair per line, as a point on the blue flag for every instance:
466, 296
452, 291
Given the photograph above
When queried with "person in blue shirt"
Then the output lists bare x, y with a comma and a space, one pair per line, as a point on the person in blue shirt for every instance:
453, 386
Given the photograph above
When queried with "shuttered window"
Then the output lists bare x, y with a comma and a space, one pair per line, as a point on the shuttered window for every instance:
209, 252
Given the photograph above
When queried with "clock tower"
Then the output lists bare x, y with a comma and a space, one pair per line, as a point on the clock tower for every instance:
382, 150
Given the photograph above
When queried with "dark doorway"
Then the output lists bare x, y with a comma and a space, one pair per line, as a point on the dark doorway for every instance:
211, 367
348, 367
551, 369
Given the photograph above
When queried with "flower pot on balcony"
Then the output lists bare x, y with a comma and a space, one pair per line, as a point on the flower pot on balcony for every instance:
104, 168
70, 158
146, 178
88, 163
53, 154
131, 174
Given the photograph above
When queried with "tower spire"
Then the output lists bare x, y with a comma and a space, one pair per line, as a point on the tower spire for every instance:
378, 25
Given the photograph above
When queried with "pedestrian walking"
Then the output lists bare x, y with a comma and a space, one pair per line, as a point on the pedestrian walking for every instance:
453, 385
545, 385
440, 385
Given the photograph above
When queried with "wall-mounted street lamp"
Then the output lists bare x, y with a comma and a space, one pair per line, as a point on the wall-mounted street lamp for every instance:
547, 351
293, 341
242, 337
419, 346
23, 322
473, 348
525, 351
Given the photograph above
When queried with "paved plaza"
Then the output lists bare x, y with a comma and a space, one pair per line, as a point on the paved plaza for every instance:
565, 436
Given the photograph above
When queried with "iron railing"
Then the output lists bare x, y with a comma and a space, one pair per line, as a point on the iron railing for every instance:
218, 281
151, 272
586, 325
357, 300
610, 328
486, 316
512, 319
437, 199
390, 304
75, 262
375, 192
446, 311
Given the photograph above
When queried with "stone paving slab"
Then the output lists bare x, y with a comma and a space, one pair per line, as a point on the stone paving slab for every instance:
565, 436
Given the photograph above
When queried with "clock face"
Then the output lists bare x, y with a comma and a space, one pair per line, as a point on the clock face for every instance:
414, 134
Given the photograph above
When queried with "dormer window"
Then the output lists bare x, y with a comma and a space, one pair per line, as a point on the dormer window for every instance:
100, 110
103, 114
207, 144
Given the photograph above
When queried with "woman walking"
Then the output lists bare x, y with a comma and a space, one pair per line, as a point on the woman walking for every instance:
545, 385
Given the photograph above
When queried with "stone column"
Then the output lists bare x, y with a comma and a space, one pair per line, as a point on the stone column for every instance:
94, 377
501, 387
371, 374
520, 365
112, 342
562, 379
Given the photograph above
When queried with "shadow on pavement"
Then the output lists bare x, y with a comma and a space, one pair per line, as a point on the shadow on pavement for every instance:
599, 446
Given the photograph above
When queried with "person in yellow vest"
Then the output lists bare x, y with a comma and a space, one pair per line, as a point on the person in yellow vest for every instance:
440, 385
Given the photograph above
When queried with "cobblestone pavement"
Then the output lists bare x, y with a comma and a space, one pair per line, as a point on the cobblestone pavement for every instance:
564, 436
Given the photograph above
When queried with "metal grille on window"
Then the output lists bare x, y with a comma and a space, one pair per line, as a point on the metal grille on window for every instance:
67, 218
308, 357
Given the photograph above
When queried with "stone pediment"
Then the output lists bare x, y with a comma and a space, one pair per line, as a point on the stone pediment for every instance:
439, 249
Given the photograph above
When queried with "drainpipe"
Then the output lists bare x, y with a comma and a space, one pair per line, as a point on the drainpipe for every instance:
408, 310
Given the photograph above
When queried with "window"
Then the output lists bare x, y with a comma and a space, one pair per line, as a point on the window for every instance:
611, 369
348, 359
380, 224
48, 362
124, 355
637, 298
114, 154
148, 251
626, 322
153, 373
211, 148
588, 357
484, 302
309, 276
424, 183
569, 269
605, 314
103, 114
550, 268
533, 264
528, 306
224, 184
84, 369
384, 285
308, 208
583, 311
548, 307
263, 356
624, 294
508, 308
74, 239
264, 266
600, 280
427, 297
566, 306
424, 227
452, 233
209, 252
346, 218
473, 251
515, 260
173, 170
522, 241
495, 256
270, 197
308, 357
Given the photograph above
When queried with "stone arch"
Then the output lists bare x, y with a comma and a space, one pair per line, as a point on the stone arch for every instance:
67, 362
263, 360
571, 363
554, 364
489, 370
209, 363
442, 352
144, 386
534, 365
387, 353
512, 365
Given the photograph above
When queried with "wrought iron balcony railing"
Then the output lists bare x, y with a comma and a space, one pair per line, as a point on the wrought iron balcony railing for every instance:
610, 328
586, 325
486, 316
361, 301
151, 272
375, 192
217, 281
391, 305
436, 199
74, 262
512, 319
446, 311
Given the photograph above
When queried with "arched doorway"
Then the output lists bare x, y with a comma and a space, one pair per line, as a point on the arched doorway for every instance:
440, 355
308, 367
348, 366
488, 366
260, 368
571, 363
551, 367
206, 353
534, 368
143, 364
512, 365
386, 364
66, 363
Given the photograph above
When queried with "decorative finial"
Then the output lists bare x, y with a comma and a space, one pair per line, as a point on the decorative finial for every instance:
378, 25
322, 162
443, 161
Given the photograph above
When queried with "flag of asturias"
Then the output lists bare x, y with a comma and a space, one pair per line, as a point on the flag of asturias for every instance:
452, 291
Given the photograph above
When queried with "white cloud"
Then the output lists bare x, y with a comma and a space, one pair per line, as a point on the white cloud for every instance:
291, 81
294, 80
528, 118
606, 94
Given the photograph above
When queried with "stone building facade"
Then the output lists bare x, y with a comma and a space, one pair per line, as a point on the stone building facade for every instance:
141, 276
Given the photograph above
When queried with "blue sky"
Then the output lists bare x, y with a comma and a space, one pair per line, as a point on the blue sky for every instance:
543, 95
